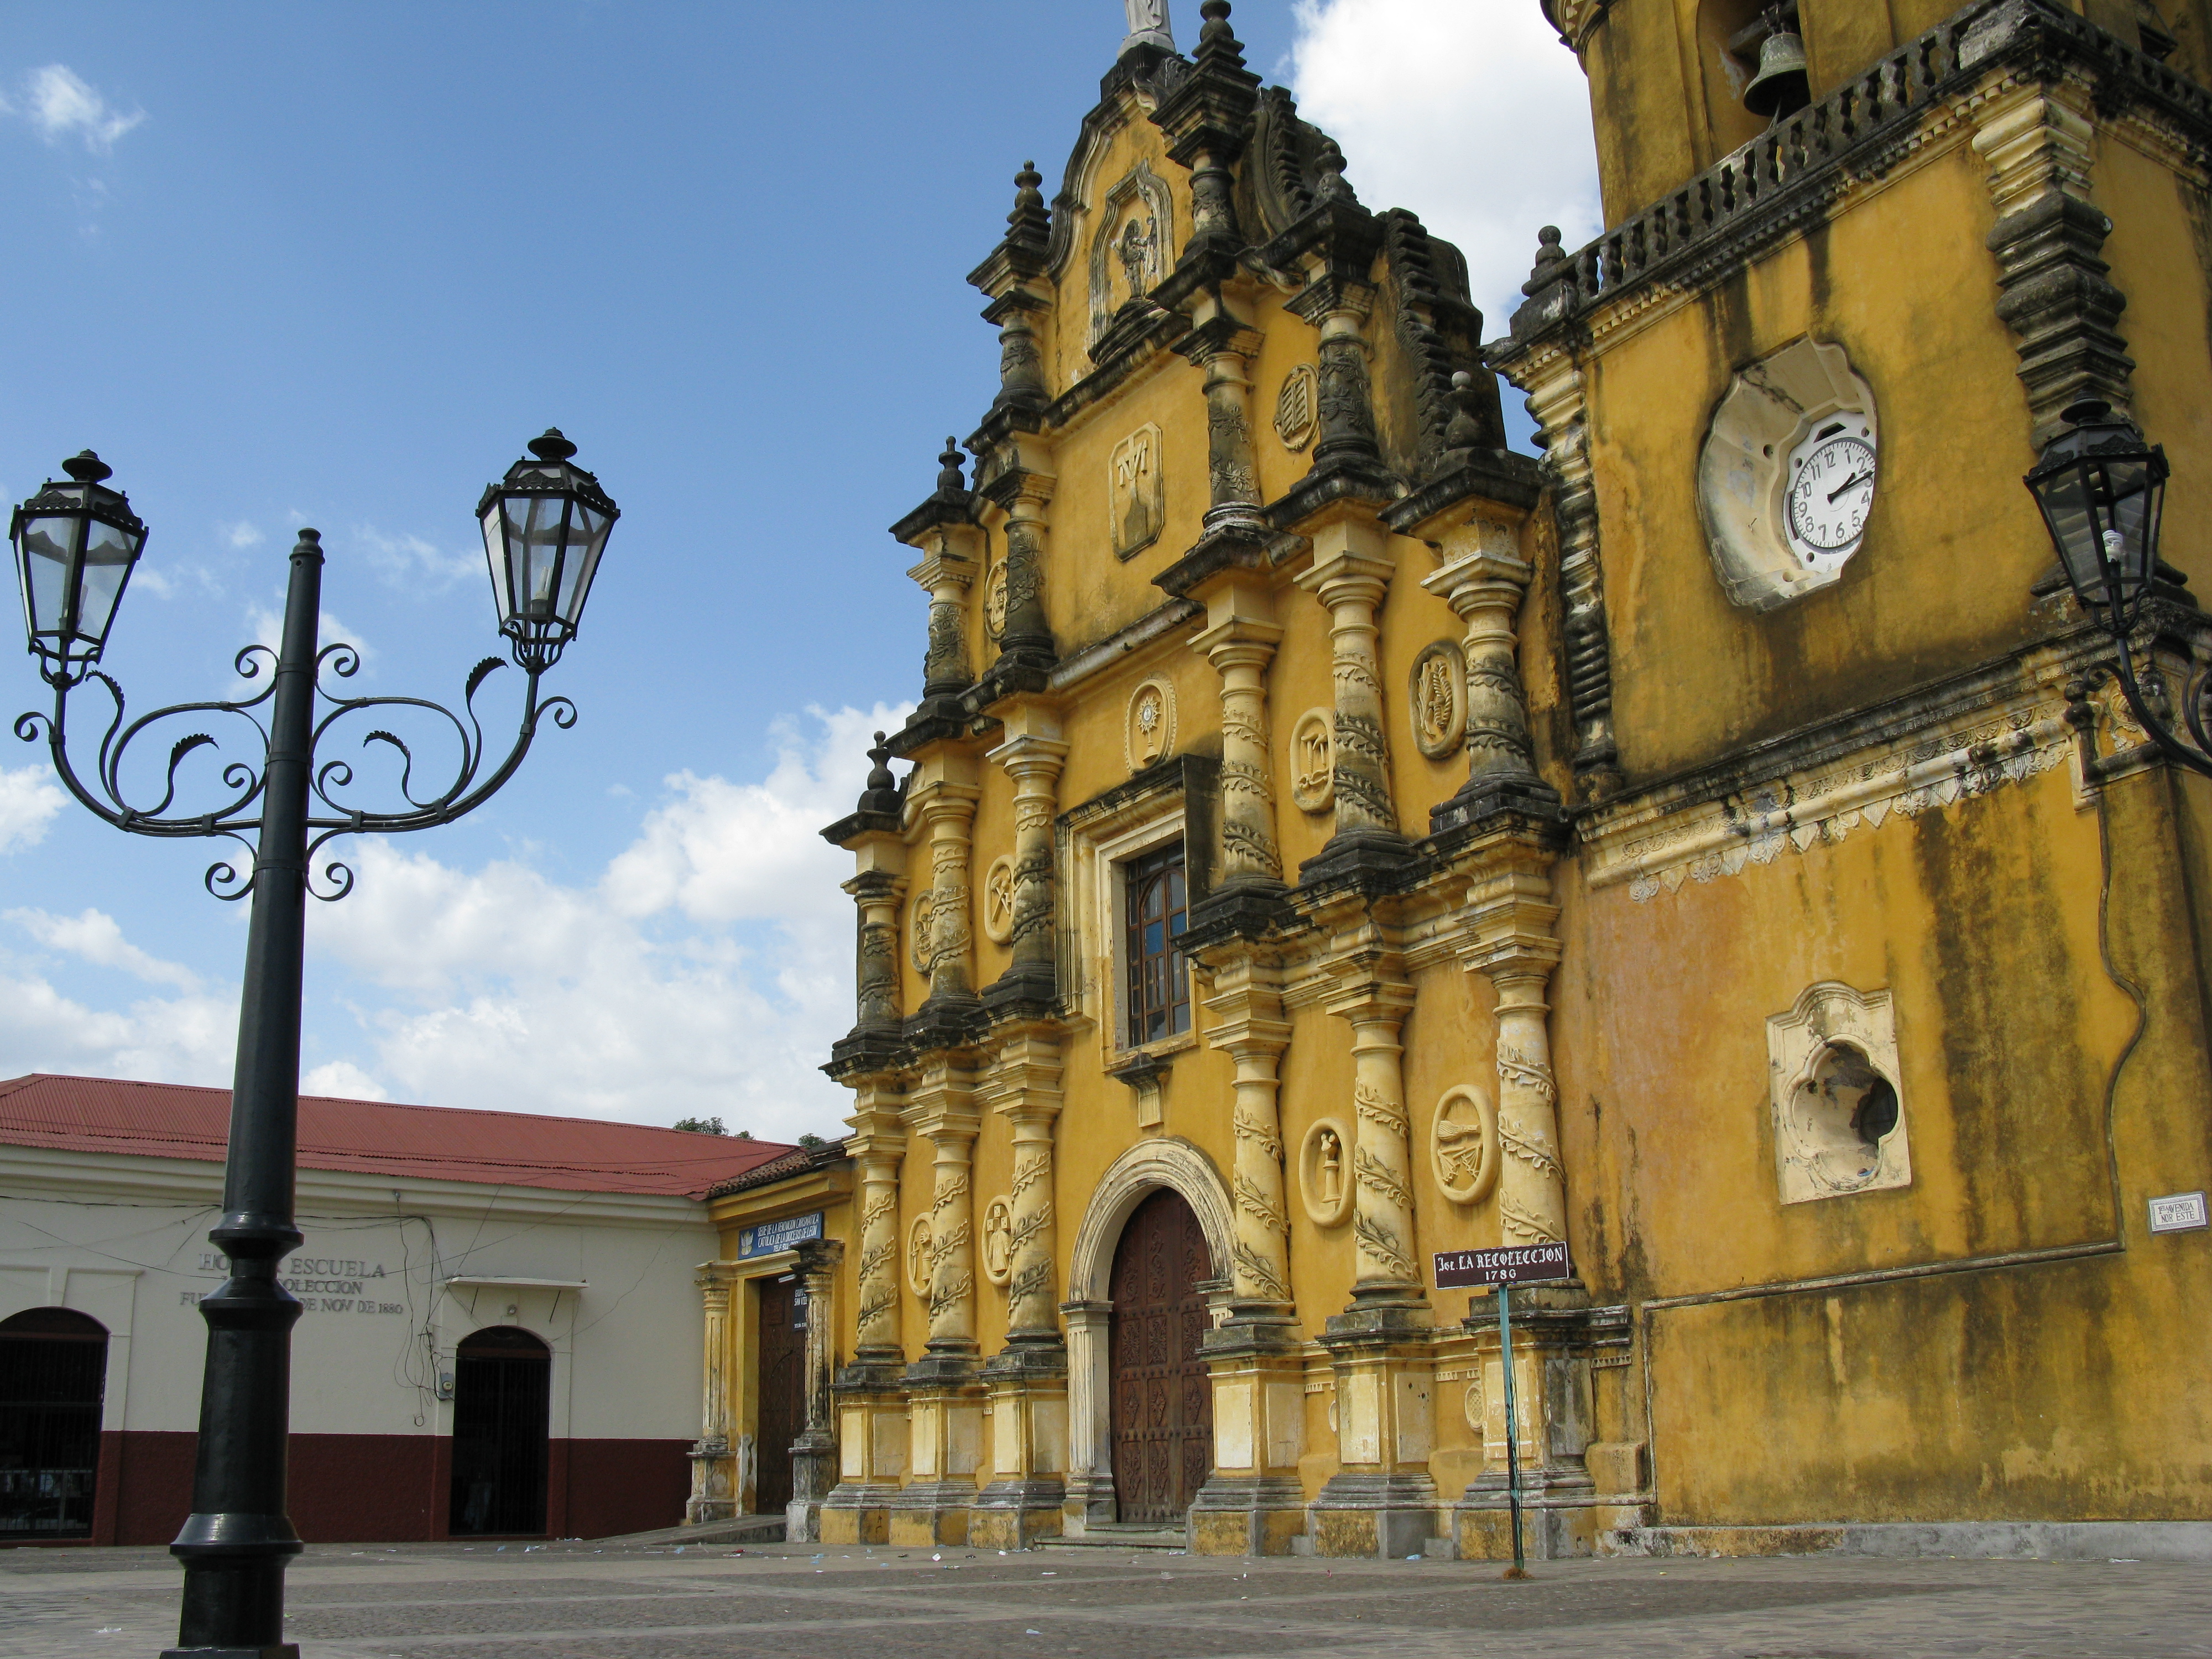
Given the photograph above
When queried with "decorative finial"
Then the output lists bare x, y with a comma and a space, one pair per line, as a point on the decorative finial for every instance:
949, 478
1549, 258
1031, 221
1148, 26
1330, 164
87, 468
1464, 431
552, 447
882, 793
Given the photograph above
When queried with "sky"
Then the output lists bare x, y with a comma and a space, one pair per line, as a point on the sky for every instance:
330, 265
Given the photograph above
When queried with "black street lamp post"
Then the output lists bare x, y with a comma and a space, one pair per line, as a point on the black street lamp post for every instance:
545, 525
2102, 493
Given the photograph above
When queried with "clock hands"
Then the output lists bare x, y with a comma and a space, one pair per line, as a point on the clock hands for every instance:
1851, 483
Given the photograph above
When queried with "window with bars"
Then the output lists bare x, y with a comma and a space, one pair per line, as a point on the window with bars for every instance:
1155, 902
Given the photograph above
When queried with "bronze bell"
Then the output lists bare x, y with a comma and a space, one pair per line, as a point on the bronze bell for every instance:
1780, 88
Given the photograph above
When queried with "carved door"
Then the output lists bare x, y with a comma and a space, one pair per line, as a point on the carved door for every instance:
783, 1391
1163, 1410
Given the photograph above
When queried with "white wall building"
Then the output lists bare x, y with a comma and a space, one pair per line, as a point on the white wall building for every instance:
501, 1334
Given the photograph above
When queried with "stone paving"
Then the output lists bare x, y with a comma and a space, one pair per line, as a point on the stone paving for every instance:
776, 1601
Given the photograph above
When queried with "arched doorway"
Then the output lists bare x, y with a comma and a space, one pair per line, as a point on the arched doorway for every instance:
502, 1390
53, 1373
1162, 1411
782, 1390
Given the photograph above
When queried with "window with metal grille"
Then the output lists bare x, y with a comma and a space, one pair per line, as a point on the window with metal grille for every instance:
54, 1372
1154, 901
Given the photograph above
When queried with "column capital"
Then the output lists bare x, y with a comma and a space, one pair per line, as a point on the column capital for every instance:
945, 568
1238, 640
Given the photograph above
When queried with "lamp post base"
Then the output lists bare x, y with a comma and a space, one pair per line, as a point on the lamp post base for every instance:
274, 1651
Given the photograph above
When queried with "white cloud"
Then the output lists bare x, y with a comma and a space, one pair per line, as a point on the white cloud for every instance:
707, 972
29, 799
60, 104
184, 1039
1468, 113
96, 939
240, 534
405, 561
343, 1080
265, 626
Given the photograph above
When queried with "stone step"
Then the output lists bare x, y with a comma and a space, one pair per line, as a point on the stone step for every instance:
1118, 1537
738, 1529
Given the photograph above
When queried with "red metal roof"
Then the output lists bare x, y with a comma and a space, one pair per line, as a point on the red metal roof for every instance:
434, 1143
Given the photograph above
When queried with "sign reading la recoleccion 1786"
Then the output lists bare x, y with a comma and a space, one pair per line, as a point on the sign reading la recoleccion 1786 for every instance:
1515, 1264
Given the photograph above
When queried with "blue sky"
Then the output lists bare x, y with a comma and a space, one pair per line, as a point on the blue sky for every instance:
288, 264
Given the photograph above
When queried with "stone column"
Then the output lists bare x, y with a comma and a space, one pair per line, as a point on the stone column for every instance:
713, 1463
871, 1404
876, 895
877, 1322
1349, 578
1025, 636
1484, 578
948, 813
1509, 935
1089, 1485
1033, 754
1028, 1379
1247, 1025
946, 574
1224, 348
1388, 1273
814, 1454
1338, 310
951, 1238
1240, 647
945, 1401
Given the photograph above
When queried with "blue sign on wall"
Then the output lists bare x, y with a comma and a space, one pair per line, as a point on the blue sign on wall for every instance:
773, 1236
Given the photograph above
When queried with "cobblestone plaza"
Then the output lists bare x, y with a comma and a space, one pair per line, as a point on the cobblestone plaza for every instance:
568, 1602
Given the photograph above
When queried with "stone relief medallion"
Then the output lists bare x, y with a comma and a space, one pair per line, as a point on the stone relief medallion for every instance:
1325, 1173
998, 900
921, 1257
1313, 760
1150, 735
994, 601
1137, 491
1463, 1144
1473, 1406
1438, 690
998, 1242
922, 914
1295, 407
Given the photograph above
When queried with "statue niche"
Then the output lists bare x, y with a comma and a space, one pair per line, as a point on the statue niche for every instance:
1133, 247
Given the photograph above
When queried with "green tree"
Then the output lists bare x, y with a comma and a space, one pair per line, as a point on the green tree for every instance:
705, 1126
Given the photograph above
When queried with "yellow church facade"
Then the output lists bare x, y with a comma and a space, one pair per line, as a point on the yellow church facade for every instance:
1328, 838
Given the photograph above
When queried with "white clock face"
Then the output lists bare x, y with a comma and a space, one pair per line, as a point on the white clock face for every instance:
1829, 494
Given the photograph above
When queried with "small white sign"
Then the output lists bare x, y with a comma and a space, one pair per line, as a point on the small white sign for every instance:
2181, 1213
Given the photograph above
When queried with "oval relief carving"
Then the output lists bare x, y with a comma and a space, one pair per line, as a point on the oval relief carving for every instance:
1325, 1172
994, 600
998, 1242
919, 913
1463, 1144
1313, 760
1472, 1406
1438, 691
920, 1253
1150, 736
998, 900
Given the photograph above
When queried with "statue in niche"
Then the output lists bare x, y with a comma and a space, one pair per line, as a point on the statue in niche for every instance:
1138, 249
1329, 1174
998, 1242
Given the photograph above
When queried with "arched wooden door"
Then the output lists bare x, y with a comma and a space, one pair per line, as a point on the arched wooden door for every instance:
1162, 1408
502, 1399
54, 1374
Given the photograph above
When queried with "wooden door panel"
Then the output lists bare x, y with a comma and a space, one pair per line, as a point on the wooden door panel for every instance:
1162, 1411
782, 1393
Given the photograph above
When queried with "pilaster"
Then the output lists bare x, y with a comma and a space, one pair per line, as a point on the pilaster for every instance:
867, 1393
814, 1462
1509, 933
713, 1459
944, 1398
1350, 572
944, 798
1033, 753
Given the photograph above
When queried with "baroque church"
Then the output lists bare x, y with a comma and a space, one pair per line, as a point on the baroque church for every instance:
1328, 839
